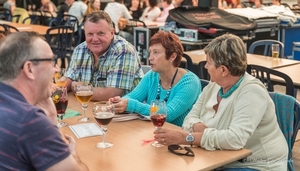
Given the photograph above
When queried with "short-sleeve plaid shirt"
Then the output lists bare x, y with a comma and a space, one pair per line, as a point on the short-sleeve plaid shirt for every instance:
118, 67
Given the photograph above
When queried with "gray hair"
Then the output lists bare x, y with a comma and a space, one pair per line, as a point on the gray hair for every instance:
228, 50
95, 16
15, 50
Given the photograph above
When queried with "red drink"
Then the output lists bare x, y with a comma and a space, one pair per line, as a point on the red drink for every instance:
61, 106
104, 118
158, 120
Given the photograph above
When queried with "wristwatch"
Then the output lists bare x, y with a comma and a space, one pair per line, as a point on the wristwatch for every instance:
190, 138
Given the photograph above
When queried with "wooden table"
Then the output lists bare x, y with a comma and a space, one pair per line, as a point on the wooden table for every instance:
199, 55
128, 153
292, 71
28, 27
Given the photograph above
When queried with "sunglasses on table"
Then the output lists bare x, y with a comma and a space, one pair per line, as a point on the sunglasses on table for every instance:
178, 150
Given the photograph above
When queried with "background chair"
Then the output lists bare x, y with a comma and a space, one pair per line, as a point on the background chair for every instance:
8, 28
202, 71
296, 50
288, 118
33, 19
5, 14
203, 83
19, 15
189, 63
264, 75
61, 42
265, 47
146, 68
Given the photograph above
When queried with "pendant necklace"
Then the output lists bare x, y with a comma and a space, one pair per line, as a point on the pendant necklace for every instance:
168, 92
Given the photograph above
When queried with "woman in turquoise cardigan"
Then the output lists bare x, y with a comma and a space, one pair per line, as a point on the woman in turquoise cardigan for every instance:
179, 87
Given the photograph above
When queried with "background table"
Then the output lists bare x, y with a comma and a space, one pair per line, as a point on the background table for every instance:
129, 154
199, 55
28, 27
293, 72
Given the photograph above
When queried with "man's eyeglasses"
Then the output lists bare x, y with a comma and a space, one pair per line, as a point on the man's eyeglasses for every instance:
53, 60
178, 150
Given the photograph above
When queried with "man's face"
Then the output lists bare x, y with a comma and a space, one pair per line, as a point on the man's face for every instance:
98, 36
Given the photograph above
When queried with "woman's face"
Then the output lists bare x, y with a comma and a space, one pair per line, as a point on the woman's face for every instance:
135, 3
96, 4
157, 58
215, 73
257, 3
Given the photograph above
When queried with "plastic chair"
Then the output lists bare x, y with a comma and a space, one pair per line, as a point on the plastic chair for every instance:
203, 73
296, 48
61, 43
204, 83
21, 13
146, 68
264, 75
8, 28
266, 44
136, 23
189, 63
5, 14
33, 19
288, 118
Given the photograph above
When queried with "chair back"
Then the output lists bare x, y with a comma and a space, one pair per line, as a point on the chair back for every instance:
33, 19
8, 28
288, 118
136, 23
61, 42
266, 45
45, 17
146, 68
5, 14
189, 63
204, 83
264, 75
203, 73
19, 15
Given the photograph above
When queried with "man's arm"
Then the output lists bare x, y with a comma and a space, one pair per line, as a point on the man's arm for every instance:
72, 162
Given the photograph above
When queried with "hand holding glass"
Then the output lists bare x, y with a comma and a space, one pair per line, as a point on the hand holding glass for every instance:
158, 115
60, 99
84, 94
103, 113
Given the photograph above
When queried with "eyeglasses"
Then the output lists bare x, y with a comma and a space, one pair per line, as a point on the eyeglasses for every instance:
53, 60
175, 149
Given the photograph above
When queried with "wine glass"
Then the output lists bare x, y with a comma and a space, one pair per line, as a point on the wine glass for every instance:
60, 79
60, 99
103, 113
84, 94
158, 115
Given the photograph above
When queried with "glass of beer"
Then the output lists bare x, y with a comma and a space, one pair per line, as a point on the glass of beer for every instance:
84, 94
60, 79
103, 113
275, 50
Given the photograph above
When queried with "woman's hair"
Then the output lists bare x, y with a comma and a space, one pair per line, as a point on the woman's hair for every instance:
170, 42
90, 7
228, 50
153, 3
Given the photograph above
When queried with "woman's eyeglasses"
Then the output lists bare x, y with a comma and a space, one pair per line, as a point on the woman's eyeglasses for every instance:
178, 150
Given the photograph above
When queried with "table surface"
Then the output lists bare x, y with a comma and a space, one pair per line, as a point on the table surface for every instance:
199, 55
129, 154
28, 27
292, 71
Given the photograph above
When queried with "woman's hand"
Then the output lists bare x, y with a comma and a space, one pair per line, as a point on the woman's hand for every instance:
119, 104
169, 136
199, 127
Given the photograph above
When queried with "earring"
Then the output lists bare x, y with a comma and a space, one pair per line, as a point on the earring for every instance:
171, 61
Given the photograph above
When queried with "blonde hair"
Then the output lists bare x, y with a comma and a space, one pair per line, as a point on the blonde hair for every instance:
91, 7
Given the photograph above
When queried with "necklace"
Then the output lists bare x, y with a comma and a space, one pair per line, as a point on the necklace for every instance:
168, 92
231, 90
